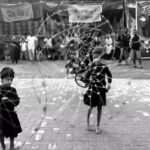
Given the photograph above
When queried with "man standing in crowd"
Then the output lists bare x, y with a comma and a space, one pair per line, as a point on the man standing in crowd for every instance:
32, 43
24, 48
109, 46
136, 49
14, 50
124, 40
126, 44
47, 46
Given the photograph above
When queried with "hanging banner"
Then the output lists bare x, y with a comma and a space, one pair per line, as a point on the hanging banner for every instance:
84, 13
131, 19
143, 18
16, 13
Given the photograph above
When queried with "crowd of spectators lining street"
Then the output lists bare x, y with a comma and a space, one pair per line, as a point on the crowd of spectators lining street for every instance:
74, 48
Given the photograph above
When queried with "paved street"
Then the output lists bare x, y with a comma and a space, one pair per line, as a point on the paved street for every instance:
125, 122
56, 69
53, 116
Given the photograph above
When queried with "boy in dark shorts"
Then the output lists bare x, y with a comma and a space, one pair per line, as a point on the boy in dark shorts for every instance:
96, 77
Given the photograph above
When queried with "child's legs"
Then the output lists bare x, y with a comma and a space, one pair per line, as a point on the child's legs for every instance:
11, 143
2, 142
99, 113
88, 115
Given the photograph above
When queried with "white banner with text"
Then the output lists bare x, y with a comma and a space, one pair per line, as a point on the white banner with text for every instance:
84, 13
17, 13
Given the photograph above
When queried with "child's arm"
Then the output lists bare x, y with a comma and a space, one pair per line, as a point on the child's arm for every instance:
15, 98
12, 100
109, 77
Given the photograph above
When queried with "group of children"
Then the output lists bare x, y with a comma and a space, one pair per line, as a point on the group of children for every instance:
96, 76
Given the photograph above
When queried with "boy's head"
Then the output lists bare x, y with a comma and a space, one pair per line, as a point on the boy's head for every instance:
7, 75
97, 52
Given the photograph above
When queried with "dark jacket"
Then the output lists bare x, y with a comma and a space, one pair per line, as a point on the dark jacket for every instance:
96, 78
9, 122
135, 43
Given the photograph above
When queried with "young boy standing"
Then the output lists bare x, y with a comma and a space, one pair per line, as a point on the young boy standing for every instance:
9, 122
96, 76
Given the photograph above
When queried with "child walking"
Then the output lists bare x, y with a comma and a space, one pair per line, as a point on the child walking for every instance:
9, 122
99, 79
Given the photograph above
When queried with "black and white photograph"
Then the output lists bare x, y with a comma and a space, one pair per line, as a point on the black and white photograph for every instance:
74, 74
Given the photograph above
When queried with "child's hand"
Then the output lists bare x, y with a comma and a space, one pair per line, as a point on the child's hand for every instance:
108, 86
4, 98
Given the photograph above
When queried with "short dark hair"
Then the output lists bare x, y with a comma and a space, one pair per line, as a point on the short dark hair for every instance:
7, 72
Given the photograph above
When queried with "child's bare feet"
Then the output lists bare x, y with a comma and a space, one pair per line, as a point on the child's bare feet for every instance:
98, 131
90, 128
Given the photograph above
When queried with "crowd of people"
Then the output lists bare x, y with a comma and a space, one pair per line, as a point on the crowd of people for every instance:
124, 46
130, 47
32, 47
74, 48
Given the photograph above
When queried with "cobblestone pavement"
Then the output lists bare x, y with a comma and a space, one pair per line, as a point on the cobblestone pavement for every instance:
56, 69
62, 126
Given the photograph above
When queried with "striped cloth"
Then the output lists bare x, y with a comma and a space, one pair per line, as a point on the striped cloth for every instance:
20, 27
